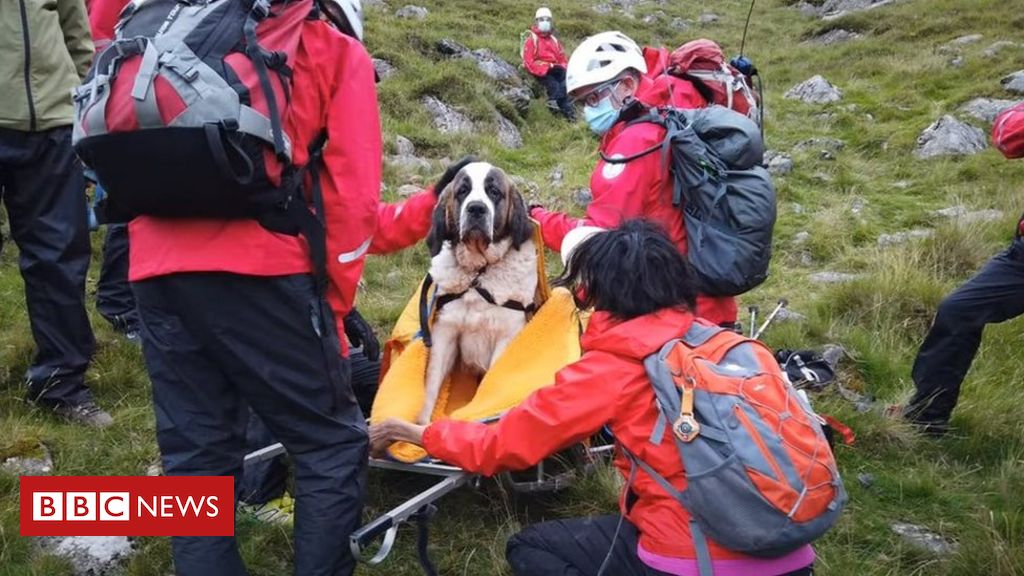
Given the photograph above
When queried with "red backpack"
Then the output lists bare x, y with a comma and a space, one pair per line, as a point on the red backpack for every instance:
703, 63
182, 114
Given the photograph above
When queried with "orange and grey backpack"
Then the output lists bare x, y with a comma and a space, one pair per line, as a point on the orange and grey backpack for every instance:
761, 478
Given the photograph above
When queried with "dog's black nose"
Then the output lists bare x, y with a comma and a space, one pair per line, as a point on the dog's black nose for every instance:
476, 209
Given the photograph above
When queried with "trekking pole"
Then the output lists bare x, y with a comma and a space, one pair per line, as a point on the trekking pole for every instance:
753, 319
771, 318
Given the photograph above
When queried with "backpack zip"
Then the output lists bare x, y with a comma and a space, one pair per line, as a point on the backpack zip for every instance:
27, 40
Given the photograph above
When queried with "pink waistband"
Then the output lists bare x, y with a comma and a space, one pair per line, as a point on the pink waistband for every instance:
799, 558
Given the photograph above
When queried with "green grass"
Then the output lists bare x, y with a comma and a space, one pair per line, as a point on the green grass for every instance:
966, 487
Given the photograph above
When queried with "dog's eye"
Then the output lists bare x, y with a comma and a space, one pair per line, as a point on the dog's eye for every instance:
495, 192
462, 192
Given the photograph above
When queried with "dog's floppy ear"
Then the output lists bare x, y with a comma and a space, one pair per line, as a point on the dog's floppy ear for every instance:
519, 225
443, 225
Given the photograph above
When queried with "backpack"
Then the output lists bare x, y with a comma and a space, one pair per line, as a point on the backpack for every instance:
715, 157
182, 115
703, 63
760, 477
806, 369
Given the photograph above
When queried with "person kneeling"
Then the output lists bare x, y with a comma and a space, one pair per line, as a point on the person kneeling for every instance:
642, 293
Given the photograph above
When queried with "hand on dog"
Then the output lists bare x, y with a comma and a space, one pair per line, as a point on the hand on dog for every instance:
386, 433
360, 333
450, 173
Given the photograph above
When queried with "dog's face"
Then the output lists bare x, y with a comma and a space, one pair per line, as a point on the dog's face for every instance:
479, 207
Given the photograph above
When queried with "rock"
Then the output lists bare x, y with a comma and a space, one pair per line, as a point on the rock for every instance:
834, 9
965, 40
408, 163
858, 206
833, 277
903, 237
582, 196
37, 462
494, 67
950, 137
602, 9
1014, 82
412, 12
778, 164
679, 24
901, 184
866, 480
375, 4
987, 109
808, 9
449, 47
796, 208
980, 216
923, 538
519, 96
787, 315
816, 90
404, 146
654, 17
996, 47
801, 237
406, 190
837, 36
90, 555
708, 18
556, 176
447, 119
383, 68
833, 354
826, 144
508, 134
957, 62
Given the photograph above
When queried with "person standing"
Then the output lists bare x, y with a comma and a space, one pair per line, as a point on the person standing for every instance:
995, 294
544, 59
47, 51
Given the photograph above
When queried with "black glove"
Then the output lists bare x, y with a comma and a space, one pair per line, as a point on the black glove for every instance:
450, 173
360, 333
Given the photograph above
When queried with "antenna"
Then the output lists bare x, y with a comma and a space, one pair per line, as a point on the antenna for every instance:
743, 42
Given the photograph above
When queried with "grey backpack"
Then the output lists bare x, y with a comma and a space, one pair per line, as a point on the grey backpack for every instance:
761, 478
727, 197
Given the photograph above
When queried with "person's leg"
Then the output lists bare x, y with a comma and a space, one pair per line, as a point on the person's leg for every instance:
45, 197
200, 420
557, 74
993, 295
365, 379
551, 89
577, 547
261, 481
114, 298
278, 343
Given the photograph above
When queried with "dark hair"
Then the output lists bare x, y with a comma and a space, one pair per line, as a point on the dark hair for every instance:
630, 271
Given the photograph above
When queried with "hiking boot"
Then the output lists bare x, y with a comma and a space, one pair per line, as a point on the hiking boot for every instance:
86, 413
277, 511
904, 413
554, 107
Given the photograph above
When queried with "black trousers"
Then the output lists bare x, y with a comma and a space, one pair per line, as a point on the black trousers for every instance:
114, 298
43, 189
579, 546
554, 85
266, 480
995, 294
218, 343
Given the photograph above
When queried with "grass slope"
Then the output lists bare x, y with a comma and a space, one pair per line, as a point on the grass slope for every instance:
967, 487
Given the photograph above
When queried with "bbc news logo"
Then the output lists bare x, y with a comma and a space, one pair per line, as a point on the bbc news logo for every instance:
127, 506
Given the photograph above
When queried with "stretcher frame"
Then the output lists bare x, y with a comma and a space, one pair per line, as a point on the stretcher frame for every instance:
421, 507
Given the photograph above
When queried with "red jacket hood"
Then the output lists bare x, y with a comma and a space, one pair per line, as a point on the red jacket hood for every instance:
636, 338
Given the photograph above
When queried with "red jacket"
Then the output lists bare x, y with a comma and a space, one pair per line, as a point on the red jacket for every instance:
635, 189
102, 19
1008, 132
402, 225
541, 51
341, 97
608, 385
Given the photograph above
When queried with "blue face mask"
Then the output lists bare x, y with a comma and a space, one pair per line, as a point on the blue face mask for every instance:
544, 26
602, 117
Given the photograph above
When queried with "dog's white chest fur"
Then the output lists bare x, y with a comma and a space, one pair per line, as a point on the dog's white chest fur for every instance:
482, 330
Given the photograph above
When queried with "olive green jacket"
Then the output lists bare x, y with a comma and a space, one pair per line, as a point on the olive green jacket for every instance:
46, 51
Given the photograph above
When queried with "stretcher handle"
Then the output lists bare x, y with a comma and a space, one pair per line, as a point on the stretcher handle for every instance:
384, 526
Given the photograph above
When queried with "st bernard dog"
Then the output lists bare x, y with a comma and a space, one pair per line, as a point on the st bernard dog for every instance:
484, 267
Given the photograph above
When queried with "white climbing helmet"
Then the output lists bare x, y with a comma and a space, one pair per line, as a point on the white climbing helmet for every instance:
574, 238
601, 58
542, 13
351, 10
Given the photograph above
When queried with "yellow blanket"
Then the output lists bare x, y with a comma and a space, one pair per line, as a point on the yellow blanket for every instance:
550, 341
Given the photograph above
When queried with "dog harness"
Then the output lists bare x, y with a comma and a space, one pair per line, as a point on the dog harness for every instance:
441, 301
